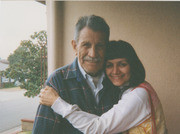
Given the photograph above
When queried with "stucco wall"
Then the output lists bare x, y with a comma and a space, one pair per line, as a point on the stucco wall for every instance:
153, 28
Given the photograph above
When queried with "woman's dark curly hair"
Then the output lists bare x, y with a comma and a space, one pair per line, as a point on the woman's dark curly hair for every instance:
122, 49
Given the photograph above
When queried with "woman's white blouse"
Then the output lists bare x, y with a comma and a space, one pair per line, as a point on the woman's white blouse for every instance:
131, 110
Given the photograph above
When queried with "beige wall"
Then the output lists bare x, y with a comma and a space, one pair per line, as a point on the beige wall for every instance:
153, 28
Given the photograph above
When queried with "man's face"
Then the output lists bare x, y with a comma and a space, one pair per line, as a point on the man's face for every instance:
90, 50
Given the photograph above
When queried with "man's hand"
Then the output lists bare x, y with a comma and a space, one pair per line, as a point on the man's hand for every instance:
48, 96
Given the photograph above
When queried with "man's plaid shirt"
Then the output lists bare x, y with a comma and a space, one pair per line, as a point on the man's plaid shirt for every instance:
72, 87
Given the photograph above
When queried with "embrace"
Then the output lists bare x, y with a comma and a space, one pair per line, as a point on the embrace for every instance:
102, 92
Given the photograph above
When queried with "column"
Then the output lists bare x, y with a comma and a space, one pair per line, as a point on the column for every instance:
54, 34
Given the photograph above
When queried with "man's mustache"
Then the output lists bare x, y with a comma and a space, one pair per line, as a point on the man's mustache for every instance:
90, 59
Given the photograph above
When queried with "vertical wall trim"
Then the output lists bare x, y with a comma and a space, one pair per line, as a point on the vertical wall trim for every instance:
55, 34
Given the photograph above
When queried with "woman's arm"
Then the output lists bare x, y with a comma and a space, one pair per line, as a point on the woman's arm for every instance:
130, 111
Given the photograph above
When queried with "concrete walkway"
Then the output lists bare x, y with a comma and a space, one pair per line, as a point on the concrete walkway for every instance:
14, 107
11, 94
13, 130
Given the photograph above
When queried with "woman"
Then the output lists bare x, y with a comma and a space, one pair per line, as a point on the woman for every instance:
138, 111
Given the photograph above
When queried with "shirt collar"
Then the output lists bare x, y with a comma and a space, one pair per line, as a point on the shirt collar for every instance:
81, 70
70, 71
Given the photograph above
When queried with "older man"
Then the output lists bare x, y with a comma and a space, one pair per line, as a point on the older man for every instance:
80, 82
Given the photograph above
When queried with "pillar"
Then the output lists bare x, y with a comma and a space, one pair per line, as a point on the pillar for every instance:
54, 34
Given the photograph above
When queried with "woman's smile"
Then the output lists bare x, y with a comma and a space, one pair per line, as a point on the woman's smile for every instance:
118, 71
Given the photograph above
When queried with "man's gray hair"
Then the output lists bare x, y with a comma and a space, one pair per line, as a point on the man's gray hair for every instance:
96, 23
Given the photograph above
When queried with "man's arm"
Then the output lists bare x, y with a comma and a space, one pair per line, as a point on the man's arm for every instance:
46, 121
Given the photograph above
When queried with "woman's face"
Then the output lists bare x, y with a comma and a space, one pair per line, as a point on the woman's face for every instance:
118, 71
